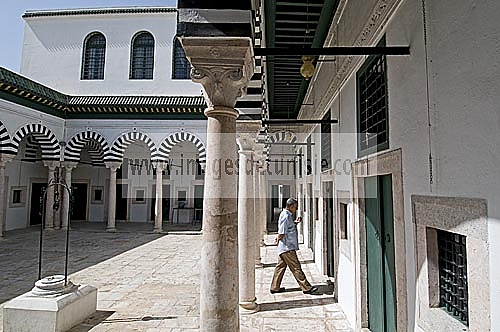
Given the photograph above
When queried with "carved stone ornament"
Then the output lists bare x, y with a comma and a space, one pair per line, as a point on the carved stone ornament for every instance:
222, 65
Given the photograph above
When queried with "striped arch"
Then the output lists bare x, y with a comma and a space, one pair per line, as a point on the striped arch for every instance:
167, 145
6, 146
95, 144
122, 142
43, 136
280, 136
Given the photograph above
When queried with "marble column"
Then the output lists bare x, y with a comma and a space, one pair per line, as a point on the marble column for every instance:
160, 167
68, 169
4, 158
246, 226
58, 195
49, 197
113, 166
257, 216
223, 66
263, 202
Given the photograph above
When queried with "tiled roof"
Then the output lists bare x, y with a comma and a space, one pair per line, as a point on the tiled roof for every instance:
30, 93
98, 11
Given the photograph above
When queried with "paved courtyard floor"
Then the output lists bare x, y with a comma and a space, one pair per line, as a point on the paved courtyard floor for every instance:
150, 282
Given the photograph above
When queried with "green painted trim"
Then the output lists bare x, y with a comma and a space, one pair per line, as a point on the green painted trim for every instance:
325, 20
32, 104
270, 14
99, 11
141, 116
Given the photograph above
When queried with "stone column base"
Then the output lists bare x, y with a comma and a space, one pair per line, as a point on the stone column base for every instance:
247, 308
31, 313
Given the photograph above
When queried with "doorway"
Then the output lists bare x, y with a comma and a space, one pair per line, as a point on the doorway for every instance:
380, 256
330, 227
79, 209
121, 201
37, 190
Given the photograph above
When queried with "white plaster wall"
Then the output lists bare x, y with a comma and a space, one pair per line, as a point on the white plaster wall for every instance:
16, 116
344, 150
463, 56
52, 54
22, 174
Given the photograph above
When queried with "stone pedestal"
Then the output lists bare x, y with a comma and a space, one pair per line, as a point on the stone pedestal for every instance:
52, 312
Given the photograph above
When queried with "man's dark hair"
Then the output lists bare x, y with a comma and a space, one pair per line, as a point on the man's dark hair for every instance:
291, 201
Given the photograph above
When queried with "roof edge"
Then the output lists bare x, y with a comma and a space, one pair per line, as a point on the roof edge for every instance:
99, 11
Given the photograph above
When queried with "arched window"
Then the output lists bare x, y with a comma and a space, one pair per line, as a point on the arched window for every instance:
142, 56
94, 55
181, 68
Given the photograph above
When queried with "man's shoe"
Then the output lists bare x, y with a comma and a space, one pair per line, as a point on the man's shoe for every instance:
281, 290
311, 291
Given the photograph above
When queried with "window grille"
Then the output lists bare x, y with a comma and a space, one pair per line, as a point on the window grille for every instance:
142, 57
181, 66
372, 106
94, 57
453, 294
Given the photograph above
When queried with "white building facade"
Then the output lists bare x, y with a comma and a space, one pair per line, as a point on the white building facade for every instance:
99, 97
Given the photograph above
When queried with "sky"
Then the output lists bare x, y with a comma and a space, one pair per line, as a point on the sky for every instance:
12, 24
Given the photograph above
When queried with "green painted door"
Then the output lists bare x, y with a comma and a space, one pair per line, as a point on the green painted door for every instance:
380, 254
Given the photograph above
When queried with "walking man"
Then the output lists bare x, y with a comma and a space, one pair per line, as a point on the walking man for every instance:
288, 244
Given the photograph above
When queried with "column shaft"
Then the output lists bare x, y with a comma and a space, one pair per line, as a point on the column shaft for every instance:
112, 200
159, 198
257, 217
219, 254
49, 199
66, 197
3, 191
246, 232
263, 204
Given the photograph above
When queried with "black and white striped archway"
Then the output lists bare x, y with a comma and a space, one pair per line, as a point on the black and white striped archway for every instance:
6, 146
167, 145
43, 136
282, 136
93, 142
121, 143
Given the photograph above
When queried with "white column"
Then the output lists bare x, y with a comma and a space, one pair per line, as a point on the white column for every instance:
4, 158
49, 198
113, 166
263, 202
68, 168
257, 216
223, 66
246, 227
160, 167
58, 195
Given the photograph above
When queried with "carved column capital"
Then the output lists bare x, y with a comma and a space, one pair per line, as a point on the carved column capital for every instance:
160, 165
113, 165
222, 65
246, 134
5, 158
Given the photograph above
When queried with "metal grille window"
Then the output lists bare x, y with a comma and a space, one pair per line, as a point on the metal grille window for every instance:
94, 55
326, 143
453, 295
181, 66
372, 106
142, 57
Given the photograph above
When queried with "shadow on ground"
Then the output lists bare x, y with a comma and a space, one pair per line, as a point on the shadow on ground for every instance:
89, 244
